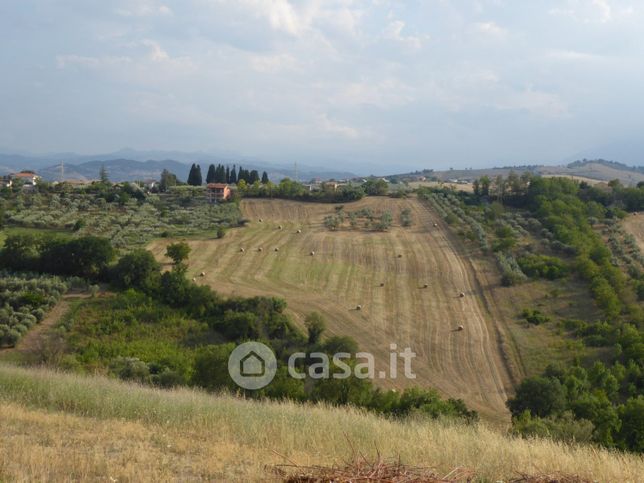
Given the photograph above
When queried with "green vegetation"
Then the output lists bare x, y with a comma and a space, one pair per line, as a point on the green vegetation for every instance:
24, 300
124, 213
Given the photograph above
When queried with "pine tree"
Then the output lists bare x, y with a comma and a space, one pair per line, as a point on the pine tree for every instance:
240, 175
220, 174
210, 177
233, 175
227, 174
265, 178
198, 178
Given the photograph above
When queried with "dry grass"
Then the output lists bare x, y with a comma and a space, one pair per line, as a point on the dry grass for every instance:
58, 427
349, 268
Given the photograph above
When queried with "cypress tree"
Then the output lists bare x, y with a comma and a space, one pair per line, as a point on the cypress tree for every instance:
191, 175
264, 177
253, 176
198, 179
227, 174
210, 177
233, 175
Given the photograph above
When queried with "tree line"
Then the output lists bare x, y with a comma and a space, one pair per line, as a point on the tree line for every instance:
225, 174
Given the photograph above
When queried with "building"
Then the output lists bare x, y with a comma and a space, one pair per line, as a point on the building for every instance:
29, 178
216, 192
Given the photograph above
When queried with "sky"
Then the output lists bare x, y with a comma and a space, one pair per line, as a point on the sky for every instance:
414, 84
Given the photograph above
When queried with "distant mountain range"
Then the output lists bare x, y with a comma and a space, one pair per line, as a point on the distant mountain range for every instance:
130, 165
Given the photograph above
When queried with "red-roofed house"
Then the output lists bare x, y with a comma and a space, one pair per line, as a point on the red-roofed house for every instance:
29, 178
216, 192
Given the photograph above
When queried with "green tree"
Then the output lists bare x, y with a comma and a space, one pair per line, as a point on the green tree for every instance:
178, 252
315, 327
541, 396
168, 180
265, 179
210, 177
138, 269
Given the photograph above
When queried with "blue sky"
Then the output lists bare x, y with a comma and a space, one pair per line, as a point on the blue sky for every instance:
432, 83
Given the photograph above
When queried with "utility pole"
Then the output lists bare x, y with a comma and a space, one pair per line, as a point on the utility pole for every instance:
62, 171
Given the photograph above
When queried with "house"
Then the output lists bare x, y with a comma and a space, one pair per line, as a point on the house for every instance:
216, 192
28, 178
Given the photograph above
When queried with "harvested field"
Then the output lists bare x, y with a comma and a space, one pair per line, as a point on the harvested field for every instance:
349, 268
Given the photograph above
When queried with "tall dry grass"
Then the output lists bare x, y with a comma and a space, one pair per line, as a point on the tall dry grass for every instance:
61, 427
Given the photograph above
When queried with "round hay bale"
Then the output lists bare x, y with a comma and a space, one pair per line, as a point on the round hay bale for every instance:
260, 249
435, 225
426, 285
312, 253
382, 284
299, 231
400, 255
277, 249
461, 295
279, 227
358, 307
260, 220
202, 274
242, 250
460, 327
194, 279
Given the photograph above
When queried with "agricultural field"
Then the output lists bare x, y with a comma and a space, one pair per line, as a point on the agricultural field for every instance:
385, 273
128, 222
24, 301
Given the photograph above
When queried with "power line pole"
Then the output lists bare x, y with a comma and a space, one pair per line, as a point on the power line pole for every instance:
62, 171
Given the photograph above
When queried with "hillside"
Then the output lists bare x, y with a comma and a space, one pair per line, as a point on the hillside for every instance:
59, 427
591, 171
348, 269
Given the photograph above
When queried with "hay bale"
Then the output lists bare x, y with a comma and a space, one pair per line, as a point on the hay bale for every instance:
299, 231
312, 253
400, 255
279, 227
382, 284
203, 274
277, 249
260, 220
358, 307
426, 285
194, 279
260, 249
460, 327
241, 250
461, 295
435, 225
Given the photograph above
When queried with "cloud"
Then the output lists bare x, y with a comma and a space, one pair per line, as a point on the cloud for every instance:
491, 29
63, 61
143, 8
593, 11
573, 55
393, 31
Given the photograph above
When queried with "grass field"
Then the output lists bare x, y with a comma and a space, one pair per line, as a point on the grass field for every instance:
347, 270
119, 432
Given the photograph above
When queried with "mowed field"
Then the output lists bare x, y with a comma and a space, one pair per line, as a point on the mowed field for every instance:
347, 270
